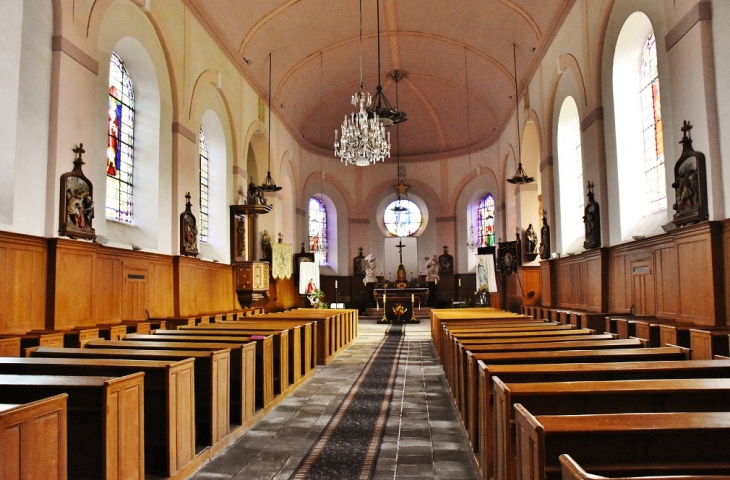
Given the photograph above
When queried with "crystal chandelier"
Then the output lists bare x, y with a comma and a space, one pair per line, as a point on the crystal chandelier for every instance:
363, 139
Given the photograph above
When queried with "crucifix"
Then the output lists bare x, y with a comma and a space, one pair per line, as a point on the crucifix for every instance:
400, 248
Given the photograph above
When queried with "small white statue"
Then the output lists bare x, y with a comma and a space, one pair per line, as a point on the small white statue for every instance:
368, 266
432, 269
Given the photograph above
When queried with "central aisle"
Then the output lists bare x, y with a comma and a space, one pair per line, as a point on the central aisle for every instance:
423, 436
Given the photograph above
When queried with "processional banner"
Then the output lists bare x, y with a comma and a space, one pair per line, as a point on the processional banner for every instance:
281, 261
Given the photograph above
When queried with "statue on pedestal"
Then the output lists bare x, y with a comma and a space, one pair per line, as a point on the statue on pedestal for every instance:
368, 265
432, 269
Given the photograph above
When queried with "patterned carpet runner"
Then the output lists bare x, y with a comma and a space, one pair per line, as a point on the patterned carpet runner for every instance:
349, 445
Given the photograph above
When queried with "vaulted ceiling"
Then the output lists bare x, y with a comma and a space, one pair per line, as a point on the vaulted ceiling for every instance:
448, 51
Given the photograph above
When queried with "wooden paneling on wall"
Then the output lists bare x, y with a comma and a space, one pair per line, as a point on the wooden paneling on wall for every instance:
579, 281
202, 287
680, 275
519, 285
22, 283
90, 284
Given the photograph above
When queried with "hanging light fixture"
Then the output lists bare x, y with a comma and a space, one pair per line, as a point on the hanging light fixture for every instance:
381, 106
363, 140
470, 243
401, 187
269, 185
520, 176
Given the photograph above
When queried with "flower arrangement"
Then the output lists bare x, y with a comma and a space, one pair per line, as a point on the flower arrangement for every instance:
399, 310
315, 297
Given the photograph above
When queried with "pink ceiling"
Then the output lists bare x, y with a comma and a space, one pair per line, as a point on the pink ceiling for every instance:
315, 48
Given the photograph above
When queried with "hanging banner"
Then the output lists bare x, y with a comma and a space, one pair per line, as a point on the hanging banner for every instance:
308, 277
486, 278
281, 260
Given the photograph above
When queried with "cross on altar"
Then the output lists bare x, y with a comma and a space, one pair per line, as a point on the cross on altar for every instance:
400, 248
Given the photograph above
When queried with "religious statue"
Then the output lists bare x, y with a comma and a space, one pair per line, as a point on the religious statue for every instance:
368, 265
592, 221
266, 245
544, 237
357, 263
255, 195
531, 237
77, 206
446, 262
690, 184
432, 269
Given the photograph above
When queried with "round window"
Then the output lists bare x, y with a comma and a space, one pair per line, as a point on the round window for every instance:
402, 218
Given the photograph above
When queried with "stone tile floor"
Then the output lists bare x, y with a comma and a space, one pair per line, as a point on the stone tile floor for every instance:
423, 438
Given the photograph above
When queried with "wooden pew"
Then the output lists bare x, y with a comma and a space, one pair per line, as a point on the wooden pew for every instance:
706, 342
34, 439
212, 372
242, 376
465, 394
479, 362
10, 346
169, 407
41, 338
655, 443
570, 470
269, 354
594, 321
577, 372
263, 373
77, 337
589, 397
281, 346
105, 420
112, 331
308, 340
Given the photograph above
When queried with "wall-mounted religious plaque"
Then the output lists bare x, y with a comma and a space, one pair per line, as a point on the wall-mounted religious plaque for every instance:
188, 230
544, 237
76, 212
507, 257
690, 184
592, 221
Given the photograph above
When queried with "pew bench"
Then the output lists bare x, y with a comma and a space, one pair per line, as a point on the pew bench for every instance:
706, 342
212, 373
592, 397
79, 336
570, 470
34, 439
279, 352
169, 407
479, 362
287, 345
655, 443
568, 372
263, 373
241, 378
9, 346
105, 420
112, 331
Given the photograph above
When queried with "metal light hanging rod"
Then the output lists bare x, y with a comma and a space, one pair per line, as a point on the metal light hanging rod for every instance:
520, 176
269, 185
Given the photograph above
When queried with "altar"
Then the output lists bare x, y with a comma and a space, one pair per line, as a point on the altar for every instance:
400, 304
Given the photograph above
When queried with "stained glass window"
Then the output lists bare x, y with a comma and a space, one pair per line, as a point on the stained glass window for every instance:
656, 189
120, 143
318, 230
203, 154
402, 218
485, 221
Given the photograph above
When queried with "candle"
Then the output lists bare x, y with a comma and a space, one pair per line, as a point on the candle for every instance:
459, 282
335, 283
412, 298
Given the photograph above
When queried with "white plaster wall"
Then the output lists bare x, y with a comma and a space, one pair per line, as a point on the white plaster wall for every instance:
721, 41
25, 80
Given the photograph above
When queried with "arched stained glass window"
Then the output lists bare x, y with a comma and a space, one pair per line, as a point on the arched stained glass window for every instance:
318, 230
402, 218
204, 176
656, 190
120, 143
485, 221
